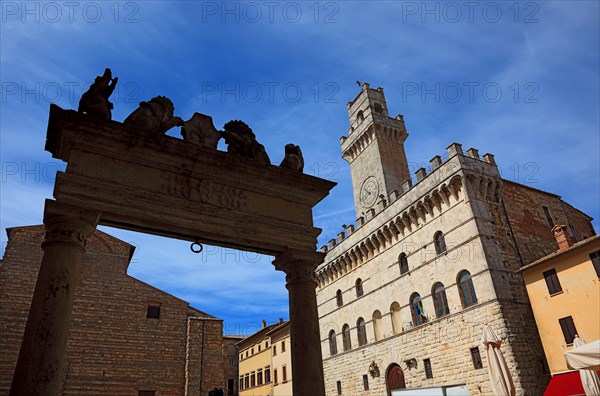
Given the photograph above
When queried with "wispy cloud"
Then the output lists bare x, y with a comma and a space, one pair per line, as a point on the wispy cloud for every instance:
177, 48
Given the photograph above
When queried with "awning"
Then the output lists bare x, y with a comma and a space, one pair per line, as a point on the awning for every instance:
565, 384
586, 356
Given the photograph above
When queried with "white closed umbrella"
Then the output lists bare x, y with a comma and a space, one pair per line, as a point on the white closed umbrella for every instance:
589, 378
501, 381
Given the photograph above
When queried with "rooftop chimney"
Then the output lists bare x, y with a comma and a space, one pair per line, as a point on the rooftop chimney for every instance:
264, 323
563, 239
280, 321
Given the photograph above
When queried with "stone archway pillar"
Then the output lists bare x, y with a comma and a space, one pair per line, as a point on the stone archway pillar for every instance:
39, 365
307, 360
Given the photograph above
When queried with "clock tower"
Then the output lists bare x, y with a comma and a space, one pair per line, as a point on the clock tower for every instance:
374, 148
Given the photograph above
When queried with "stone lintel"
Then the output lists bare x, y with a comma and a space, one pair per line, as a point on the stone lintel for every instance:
69, 130
166, 186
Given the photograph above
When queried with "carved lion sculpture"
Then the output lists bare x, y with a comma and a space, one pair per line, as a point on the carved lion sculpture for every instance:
241, 140
154, 116
293, 158
95, 101
200, 130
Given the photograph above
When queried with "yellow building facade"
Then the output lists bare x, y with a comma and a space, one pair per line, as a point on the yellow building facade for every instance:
265, 361
564, 290
255, 363
281, 360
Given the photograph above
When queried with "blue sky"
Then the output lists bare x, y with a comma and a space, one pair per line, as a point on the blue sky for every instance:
516, 79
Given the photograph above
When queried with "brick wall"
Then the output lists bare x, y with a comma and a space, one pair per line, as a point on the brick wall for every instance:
532, 230
113, 348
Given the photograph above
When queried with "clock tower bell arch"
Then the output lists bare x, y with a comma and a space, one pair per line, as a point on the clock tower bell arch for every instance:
374, 148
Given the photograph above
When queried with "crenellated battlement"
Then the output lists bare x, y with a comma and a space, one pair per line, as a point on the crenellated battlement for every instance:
428, 194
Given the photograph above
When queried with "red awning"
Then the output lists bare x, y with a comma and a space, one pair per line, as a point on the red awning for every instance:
565, 384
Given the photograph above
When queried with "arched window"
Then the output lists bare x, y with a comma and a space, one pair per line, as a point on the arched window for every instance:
359, 288
416, 306
396, 318
361, 331
332, 343
440, 242
346, 338
440, 302
403, 261
378, 108
360, 116
377, 326
466, 289
339, 298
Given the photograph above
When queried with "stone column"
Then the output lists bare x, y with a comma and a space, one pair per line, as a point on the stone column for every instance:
38, 370
307, 360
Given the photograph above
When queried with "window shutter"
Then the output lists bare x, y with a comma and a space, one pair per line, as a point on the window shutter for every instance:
568, 328
552, 281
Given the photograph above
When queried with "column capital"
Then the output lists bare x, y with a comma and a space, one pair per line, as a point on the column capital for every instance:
68, 224
298, 265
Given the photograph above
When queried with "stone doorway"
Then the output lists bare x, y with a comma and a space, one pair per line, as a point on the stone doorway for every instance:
394, 378
132, 176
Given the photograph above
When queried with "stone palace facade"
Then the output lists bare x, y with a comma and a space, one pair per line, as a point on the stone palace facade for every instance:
402, 295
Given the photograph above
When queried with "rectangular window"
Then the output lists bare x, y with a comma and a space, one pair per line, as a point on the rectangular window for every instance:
153, 312
230, 384
241, 383
275, 376
568, 329
476, 357
247, 381
282, 346
365, 382
274, 350
259, 377
252, 351
267, 374
145, 393
253, 379
339, 387
284, 374
552, 281
595, 257
548, 216
259, 346
427, 365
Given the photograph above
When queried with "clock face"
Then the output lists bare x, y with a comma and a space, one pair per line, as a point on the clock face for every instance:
369, 192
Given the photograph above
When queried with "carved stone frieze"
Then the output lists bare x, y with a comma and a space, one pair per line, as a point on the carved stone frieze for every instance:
205, 191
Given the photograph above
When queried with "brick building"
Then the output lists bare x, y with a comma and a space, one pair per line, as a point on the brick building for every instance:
231, 369
403, 295
126, 337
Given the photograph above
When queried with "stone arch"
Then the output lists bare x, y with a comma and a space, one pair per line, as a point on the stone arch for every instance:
394, 378
377, 325
396, 318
